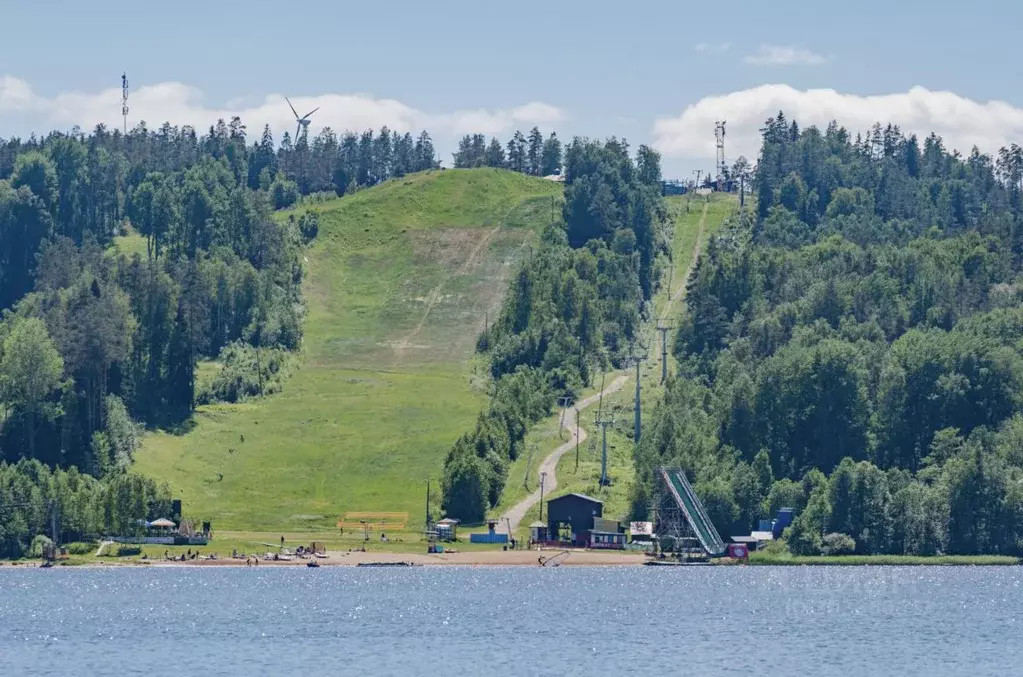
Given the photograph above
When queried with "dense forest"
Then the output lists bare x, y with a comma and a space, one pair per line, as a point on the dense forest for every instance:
575, 304
854, 349
95, 344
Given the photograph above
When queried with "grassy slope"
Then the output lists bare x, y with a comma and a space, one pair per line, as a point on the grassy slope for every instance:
545, 435
397, 285
130, 244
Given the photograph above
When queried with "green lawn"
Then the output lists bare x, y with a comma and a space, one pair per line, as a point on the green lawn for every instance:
398, 284
130, 244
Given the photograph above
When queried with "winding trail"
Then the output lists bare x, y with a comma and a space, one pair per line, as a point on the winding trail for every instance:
514, 516
517, 513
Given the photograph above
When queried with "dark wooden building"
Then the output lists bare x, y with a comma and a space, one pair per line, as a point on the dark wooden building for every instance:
574, 511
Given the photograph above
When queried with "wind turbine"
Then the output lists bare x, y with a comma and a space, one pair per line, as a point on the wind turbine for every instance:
303, 122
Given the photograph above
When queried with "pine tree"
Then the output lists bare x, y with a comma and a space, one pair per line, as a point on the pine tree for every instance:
534, 156
494, 156
462, 155
551, 160
382, 155
478, 149
425, 155
517, 153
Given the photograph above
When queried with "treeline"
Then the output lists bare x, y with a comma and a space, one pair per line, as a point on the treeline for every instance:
88, 334
33, 498
536, 156
577, 303
855, 350
114, 163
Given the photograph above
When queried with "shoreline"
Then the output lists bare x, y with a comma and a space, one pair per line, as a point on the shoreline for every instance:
517, 558
391, 559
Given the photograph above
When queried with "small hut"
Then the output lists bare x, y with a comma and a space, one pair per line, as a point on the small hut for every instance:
538, 532
447, 529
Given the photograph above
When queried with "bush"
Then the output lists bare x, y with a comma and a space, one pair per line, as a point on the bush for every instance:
802, 538
838, 544
39, 546
238, 378
776, 547
120, 550
80, 548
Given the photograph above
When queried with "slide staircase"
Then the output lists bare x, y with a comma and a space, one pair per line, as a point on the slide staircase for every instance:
693, 509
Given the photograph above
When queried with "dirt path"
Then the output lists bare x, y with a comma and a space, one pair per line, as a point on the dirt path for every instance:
435, 294
515, 515
550, 464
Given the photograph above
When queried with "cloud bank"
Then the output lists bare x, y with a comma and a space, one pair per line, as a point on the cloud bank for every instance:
181, 104
961, 122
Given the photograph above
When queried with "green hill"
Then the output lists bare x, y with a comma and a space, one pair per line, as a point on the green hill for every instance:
398, 283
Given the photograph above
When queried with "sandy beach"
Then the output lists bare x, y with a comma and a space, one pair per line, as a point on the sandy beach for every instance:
476, 558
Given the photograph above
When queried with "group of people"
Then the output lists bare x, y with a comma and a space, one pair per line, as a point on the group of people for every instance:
186, 556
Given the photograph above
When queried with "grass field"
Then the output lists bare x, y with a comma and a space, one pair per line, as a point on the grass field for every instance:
131, 244
398, 282
544, 437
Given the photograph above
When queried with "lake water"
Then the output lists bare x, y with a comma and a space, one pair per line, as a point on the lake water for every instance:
508, 621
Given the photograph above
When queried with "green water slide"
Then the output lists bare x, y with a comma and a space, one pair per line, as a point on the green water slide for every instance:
694, 511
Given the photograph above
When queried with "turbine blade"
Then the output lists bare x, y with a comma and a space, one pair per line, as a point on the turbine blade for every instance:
310, 112
292, 107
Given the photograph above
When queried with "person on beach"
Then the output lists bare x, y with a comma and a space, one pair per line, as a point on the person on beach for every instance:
282, 541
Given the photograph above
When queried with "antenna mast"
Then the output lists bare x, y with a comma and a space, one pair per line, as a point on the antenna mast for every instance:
124, 101
719, 138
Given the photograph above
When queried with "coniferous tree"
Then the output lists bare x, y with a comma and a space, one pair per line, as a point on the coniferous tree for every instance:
517, 153
534, 155
425, 155
551, 156
494, 156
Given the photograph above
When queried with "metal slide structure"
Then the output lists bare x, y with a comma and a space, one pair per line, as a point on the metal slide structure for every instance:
694, 511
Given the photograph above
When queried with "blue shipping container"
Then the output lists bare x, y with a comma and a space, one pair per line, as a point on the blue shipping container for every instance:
488, 538
784, 520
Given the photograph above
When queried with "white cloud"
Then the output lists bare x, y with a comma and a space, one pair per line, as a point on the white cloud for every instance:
961, 122
712, 46
181, 104
15, 94
777, 55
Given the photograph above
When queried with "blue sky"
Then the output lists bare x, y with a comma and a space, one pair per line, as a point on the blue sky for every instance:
656, 72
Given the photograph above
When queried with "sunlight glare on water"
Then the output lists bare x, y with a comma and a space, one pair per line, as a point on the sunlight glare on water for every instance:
710, 621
